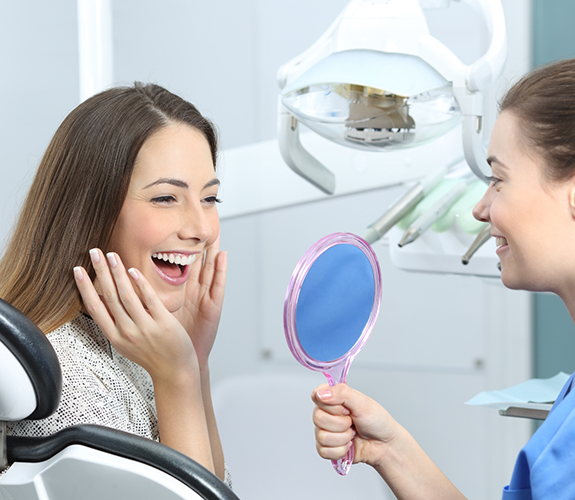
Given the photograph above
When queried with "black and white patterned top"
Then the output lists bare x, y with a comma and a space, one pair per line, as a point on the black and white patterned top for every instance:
99, 386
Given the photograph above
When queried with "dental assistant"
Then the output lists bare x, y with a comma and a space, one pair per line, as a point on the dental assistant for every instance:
530, 203
115, 257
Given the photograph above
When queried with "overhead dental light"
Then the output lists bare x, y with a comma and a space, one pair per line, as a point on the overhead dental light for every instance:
377, 80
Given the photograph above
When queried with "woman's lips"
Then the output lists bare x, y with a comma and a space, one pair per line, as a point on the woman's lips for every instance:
173, 262
500, 243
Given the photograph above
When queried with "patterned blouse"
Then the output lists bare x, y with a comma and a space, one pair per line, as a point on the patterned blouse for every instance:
99, 386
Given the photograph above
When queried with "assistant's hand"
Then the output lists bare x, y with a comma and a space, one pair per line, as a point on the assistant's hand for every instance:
343, 414
200, 315
137, 324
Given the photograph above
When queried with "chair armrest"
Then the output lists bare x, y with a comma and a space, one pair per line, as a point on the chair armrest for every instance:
123, 444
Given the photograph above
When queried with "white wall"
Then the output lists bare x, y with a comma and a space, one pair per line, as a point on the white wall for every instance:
223, 56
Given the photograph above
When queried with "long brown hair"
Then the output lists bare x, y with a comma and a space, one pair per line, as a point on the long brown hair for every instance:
78, 192
544, 102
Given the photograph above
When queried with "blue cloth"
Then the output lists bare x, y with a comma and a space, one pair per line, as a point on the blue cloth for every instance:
545, 467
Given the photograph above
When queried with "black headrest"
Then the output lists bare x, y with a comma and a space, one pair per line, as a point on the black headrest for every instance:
33, 350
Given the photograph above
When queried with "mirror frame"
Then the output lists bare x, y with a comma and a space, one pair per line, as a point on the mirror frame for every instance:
292, 297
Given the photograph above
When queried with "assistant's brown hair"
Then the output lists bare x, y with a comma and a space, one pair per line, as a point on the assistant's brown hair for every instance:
78, 192
544, 102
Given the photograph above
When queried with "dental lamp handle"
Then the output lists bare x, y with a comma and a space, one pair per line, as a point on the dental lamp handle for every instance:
297, 158
435, 212
471, 105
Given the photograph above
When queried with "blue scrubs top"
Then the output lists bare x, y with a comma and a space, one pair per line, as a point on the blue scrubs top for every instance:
545, 467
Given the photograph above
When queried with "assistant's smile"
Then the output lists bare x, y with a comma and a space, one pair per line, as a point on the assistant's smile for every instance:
500, 241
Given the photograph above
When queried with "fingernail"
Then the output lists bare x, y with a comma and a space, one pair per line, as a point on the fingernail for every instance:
324, 394
350, 444
346, 411
94, 255
112, 259
133, 273
78, 273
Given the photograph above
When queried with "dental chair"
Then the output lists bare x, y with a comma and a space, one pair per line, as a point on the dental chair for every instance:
85, 462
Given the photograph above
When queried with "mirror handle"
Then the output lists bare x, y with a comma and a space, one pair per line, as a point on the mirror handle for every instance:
343, 465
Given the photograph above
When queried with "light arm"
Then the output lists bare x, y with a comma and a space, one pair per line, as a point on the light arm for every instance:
489, 67
297, 158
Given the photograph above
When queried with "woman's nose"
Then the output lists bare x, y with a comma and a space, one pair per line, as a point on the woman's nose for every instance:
195, 225
481, 210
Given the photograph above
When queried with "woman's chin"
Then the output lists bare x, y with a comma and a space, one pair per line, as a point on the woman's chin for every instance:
510, 281
513, 282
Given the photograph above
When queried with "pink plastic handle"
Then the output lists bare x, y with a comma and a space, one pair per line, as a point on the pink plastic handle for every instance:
343, 465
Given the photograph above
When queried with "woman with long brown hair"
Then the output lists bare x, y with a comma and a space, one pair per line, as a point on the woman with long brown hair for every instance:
115, 256
530, 203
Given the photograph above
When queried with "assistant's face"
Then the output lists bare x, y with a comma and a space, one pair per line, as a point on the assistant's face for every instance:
169, 216
530, 215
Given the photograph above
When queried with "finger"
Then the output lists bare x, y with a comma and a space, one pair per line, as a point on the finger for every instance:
107, 285
207, 270
148, 296
329, 421
332, 453
336, 410
127, 295
341, 394
319, 388
218, 286
93, 303
196, 268
333, 439
325, 397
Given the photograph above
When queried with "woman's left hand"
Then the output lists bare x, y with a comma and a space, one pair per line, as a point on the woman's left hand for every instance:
202, 309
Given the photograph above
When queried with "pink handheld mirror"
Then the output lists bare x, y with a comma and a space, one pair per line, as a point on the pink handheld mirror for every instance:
330, 309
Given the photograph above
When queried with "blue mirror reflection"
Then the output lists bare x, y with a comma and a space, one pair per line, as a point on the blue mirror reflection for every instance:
335, 302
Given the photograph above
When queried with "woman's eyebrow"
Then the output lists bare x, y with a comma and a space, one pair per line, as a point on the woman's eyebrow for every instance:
213, 182
180, 183
493, 159
169, 180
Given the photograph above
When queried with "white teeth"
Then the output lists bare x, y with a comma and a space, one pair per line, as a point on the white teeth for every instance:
499, 242
182, 260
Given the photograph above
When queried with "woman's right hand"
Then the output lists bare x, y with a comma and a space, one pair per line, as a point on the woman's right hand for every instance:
137, 323
343, 415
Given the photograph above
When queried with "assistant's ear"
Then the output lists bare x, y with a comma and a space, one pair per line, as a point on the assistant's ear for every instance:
572, 196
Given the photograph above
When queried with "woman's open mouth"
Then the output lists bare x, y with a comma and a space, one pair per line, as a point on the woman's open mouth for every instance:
500, 243
173, 267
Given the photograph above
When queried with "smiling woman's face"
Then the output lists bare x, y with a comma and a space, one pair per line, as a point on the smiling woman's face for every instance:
531, 216
169, 216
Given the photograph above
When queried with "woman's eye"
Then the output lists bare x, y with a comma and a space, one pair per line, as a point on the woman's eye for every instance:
163, 199
492, 180
212, 200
